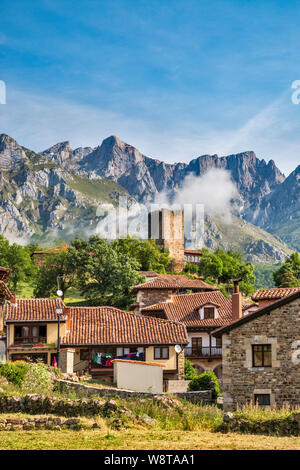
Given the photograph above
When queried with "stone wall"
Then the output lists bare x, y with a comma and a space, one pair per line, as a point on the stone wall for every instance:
47, 422
167, 228
148, 297
177, 386
241, 381
89, 391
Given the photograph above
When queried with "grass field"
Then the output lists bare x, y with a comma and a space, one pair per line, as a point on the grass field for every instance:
145, 440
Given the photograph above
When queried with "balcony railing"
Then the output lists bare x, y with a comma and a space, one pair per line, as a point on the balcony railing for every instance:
30, 340
204, 352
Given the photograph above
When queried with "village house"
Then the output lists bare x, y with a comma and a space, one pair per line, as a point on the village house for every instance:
201, 313
261, 355
264, 297
91, 337
40, 256
162, 288
5, 296
192, 256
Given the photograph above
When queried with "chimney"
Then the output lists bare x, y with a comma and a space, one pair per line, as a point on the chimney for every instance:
236, 301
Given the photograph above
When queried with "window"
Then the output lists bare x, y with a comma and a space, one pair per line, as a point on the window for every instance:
261, 355
196, 345
218, 342
30, 334
84, 354
262, 399
209, 312
161, 353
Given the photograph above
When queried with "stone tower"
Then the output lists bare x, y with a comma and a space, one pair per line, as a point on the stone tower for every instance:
166, 227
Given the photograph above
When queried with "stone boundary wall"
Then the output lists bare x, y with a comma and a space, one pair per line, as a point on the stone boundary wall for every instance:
281, 426
38, 404
28, 424
89, 390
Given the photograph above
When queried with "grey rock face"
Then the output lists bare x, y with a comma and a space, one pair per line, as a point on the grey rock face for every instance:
45, 190
63, 154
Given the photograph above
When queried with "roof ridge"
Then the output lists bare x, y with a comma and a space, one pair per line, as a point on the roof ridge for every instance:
261, 311
137, 315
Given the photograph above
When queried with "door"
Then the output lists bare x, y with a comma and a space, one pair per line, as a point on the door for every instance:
196, 346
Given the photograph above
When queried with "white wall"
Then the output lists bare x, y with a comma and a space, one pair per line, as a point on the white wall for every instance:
205, 339
140, 377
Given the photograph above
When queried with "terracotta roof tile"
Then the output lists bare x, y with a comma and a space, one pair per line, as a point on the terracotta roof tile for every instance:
274, 293
55, 249
185, 308
33, 310
4, 273
173, 281
192, 252
108, 325
5, 293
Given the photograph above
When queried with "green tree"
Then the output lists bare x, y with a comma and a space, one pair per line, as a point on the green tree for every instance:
189, 370
221, 267
59, 264
288, 275
206, 381
103, 273
17, 258
146, 252
210, 266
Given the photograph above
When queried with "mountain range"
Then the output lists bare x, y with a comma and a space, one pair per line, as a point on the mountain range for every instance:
56, 192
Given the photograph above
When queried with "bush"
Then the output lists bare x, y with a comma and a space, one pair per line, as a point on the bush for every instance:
204, 382
38, 379
189, 370
14, 372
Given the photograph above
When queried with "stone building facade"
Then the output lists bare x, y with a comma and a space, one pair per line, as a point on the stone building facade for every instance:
166, 227
261, 356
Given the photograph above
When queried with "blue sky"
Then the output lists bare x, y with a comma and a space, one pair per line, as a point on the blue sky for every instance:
175, 78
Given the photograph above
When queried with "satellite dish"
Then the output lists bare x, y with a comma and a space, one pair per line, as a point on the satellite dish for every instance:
60, 293
178, 348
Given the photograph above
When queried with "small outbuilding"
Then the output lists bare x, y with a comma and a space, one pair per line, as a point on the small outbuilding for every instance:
139, 376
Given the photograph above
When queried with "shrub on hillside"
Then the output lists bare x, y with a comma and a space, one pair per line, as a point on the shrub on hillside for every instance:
14, 372
189, 370
206, 381
38, 378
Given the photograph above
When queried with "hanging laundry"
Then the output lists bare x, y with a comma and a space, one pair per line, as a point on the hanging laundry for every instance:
54, 362
109, 362
99, 358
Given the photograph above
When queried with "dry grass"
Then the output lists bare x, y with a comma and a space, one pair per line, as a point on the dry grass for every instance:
147, 440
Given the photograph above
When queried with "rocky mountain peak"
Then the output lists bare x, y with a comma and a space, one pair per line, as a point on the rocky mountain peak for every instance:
11, 152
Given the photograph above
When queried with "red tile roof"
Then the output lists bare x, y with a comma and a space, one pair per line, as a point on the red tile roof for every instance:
257, 313
148, 273
55, 249
4, 273
274, 293
5, 293
108, 325
174, 281
192, 252
185, 308
33, 310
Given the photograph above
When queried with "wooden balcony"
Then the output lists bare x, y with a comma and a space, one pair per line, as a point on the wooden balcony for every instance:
203, 353
29, 340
